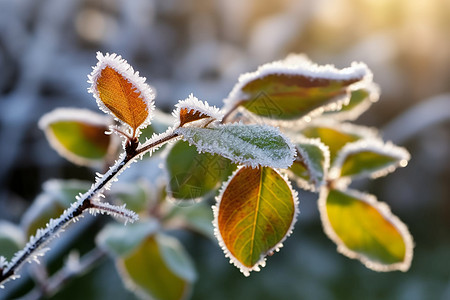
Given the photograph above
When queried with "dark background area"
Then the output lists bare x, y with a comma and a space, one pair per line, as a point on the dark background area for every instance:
47, 48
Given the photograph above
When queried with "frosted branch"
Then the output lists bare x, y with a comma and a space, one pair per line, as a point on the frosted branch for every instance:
87, 201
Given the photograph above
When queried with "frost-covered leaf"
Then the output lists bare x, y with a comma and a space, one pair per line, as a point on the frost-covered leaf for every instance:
12, 239
121, 92
368, 158
158, 269
253, 215
193, 175
336, 135
191, 109
253, 145
365, 229
362, 97
57, 195
295, 87
310, 168
120, 241
78, 135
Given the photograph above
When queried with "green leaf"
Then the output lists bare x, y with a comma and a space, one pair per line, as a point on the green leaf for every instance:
368, 158
361, 99
158, 269
336, 135
193, 175
11, 239
295, 87
119, 240
253, 145
253, 215
365, 229
78, 135
310, 168
57, 195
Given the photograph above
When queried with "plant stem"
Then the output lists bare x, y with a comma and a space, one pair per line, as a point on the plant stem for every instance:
84, 202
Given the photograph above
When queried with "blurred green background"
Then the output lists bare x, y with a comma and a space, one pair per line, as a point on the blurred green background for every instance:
47, 48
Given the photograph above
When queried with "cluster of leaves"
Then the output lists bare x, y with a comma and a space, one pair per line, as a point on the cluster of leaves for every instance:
285, 121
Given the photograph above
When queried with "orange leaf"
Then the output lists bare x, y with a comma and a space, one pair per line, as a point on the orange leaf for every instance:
254, 214
120, 91
192, 109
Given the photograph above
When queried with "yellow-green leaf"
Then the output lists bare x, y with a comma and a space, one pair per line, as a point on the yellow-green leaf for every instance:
336, 135
158, 269
78, 135
253, 215
368, 158
365, 229
121, 91
361, 98
294, 87
192, 174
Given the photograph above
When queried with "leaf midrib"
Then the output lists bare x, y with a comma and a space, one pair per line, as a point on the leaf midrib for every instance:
256, 214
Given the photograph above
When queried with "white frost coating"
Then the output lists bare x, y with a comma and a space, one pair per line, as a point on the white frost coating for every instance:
262, 261
314, 183
296, 64
116, 211
385, 211
232, 141
401, 156
74, 115
120, 65
193, 104
355, 112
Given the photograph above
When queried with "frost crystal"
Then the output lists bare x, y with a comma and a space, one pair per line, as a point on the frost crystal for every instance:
116, 211
252, 145
120, 65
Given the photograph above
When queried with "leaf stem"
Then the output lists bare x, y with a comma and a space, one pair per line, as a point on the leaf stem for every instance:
231, 111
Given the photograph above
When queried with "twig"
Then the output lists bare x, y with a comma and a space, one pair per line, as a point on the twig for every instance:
35, 247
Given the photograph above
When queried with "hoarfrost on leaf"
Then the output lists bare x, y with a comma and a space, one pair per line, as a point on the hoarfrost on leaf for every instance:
192, 109
252, 145
135, 105
365, 229
295, 88
368, 157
